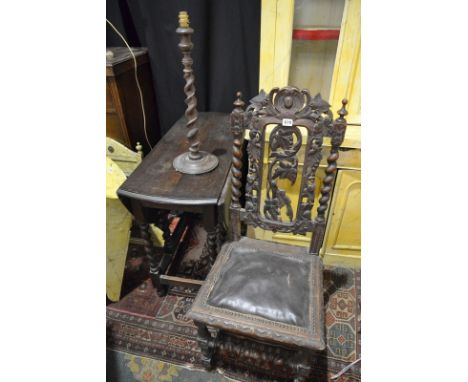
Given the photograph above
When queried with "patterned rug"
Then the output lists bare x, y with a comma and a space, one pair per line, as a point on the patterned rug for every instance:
126, 367
146, 326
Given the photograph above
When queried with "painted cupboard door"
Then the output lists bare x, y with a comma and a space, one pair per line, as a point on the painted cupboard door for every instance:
275, 43
315, 44
343, 240
346, 81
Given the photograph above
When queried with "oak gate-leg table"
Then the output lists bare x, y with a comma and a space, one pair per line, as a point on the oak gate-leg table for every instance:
155, 190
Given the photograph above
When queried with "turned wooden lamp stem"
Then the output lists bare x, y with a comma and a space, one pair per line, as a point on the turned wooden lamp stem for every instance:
191, 113
194, 161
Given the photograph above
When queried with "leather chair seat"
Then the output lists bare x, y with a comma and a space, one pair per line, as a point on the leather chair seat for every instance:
269, 285
272, 289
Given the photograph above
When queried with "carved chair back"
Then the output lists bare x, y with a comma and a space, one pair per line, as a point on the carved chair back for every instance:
287, 127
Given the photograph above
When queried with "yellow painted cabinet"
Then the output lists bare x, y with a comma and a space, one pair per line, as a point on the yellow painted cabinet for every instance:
343, 236
316, 44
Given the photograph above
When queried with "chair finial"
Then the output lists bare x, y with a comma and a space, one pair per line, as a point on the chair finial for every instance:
343, 112
238, 102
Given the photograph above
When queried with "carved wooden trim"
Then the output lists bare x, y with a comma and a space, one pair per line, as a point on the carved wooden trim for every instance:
271, 362
287, 108
255, 354
337, 137
283, 165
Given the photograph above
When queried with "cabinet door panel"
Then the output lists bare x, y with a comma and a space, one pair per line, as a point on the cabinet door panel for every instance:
346, 81
343, 241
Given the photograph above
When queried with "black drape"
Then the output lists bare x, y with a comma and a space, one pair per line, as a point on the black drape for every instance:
226, 49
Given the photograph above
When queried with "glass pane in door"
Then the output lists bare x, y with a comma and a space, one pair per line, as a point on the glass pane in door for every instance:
315, 42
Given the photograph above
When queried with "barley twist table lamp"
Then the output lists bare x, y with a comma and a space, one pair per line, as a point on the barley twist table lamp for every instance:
194, 161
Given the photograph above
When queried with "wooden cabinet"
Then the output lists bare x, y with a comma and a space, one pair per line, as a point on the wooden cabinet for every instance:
125, 121
316, 44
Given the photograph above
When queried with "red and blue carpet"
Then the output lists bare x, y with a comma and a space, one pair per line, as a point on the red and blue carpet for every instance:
143, 324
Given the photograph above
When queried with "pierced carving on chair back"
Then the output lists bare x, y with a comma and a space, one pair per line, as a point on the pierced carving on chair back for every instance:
286, 109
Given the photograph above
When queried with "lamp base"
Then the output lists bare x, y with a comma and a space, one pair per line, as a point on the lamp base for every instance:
206, 163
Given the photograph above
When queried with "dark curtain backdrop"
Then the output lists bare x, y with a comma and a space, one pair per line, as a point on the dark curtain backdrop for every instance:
226, 49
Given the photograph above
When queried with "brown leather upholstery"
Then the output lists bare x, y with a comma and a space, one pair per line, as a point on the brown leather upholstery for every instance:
269, 285
269, 290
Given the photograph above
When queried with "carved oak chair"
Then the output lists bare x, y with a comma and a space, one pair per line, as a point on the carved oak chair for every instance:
263, 291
